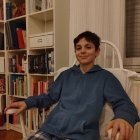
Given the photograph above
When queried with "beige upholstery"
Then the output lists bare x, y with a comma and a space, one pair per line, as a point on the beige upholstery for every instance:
125, 77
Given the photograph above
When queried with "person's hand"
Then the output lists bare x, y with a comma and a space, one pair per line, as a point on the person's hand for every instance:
121, 126
20, 106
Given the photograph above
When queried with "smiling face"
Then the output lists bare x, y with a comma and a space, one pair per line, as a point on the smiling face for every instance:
86, 52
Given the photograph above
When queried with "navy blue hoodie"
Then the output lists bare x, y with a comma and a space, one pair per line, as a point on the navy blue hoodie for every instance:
80, 100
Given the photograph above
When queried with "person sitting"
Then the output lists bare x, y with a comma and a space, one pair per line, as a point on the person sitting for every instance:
81, 92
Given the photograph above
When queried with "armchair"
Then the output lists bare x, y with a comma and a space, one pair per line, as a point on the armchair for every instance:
110, 59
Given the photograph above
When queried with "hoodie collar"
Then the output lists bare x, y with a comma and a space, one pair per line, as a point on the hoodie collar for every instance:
93, 69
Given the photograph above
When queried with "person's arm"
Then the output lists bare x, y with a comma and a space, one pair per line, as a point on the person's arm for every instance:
125, 112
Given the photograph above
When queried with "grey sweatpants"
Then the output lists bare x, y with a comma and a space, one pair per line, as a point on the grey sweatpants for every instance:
39, 135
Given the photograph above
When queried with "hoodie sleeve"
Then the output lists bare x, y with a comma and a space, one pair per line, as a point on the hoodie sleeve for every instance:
45, 100
121, 103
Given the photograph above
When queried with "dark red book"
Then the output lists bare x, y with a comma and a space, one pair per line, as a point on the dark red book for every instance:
20, 36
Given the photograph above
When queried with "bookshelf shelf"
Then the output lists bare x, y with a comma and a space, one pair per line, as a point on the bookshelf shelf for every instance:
1, 73
3, 94
42, 48
2, 51
18, 28
49, 75
17, 50
20, 97
49, 11
17, 18
48, 16
1, 21
17, 73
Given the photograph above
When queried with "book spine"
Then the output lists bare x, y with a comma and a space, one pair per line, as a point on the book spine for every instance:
2, 85
2, 64
20, 38
1, 13
1, 41
8, 10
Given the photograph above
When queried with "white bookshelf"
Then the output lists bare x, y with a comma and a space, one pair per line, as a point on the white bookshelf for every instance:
2, 64
52, 18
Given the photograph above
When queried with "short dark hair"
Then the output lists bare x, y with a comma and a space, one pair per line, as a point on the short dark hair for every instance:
89, 36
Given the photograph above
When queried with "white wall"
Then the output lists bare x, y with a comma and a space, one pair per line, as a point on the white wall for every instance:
104, 17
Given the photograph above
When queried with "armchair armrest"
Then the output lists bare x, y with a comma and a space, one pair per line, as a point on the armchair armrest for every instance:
12, 111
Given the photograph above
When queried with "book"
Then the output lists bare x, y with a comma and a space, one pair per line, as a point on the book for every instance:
1, 119
16, 119
44, 4
24, 63
15, 10
31, 6
12, 84
18, 9
9, 42
34, 87
23, 8
20, 38
51, 61
2, 85
8, 10
46, 63
45, 86
38, 5
1, 13
25, 92
13, 25
2, 62
1, 41
2, 106
40, 87
49, 4
31, 63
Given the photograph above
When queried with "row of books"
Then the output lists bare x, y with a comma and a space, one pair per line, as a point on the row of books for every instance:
39, 116
39, 5
14, 9
15, 120
18, 85
39, 87
16, 34
18, 63
42, 63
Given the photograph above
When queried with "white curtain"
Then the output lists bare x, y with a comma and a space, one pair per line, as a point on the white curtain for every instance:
104, 17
